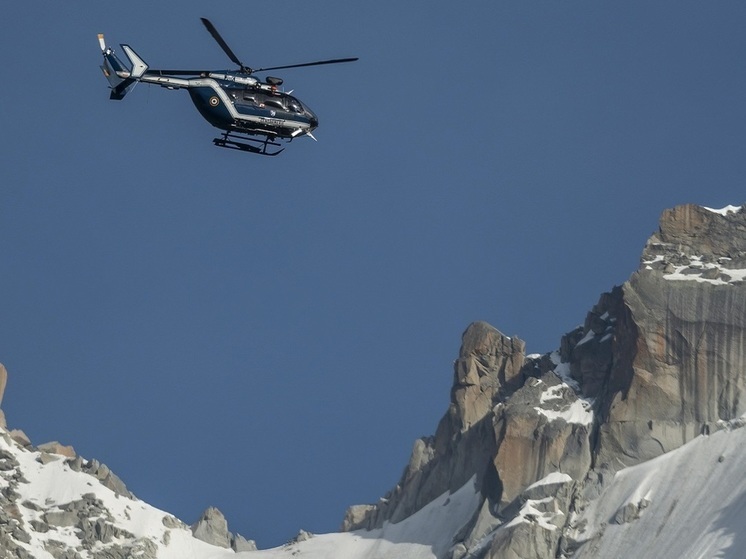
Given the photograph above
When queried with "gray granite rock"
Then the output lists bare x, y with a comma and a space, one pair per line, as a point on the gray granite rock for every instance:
212, 527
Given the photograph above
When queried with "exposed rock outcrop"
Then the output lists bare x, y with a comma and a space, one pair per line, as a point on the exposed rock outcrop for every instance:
212, 527
534, 442
55, 447
688, 365
658, 361
543, 429
239, 543
3, 381
489, 365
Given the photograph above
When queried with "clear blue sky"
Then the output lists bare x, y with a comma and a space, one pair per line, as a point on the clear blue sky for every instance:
269, 336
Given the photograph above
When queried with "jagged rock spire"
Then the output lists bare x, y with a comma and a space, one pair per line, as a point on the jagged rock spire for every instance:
3, 381
658, 361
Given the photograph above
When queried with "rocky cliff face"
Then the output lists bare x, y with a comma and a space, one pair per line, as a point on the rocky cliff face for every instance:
657, 362
685, 339
526, 462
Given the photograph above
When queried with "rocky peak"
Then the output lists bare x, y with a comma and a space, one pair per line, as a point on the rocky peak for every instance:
693, 242
489, 365
527, 449
657, 361
678, 366
488, 362
212, 527
697, 230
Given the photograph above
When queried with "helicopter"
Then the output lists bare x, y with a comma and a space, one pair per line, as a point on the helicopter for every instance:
254, 115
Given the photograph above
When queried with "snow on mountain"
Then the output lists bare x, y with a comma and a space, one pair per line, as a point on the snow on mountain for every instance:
695, 268
425, 535
52, 511
578, 410
726, 210
693, 246
688, 503
629, 441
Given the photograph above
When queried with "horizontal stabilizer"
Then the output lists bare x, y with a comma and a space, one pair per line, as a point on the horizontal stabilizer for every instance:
118, 92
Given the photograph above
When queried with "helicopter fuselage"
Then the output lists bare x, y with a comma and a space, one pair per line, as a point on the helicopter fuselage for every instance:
254, 115
236, 103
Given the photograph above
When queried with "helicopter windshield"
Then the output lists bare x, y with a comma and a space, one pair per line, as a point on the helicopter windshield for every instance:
294, 105
283, 102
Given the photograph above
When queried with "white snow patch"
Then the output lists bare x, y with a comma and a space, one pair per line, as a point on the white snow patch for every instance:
679, 273
562, 370
551, 479
696, 266
531, 513
649, 263
580, 412
587, 338
726, 210
553, 393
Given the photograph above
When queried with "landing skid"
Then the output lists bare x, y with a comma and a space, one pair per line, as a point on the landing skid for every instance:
244, 143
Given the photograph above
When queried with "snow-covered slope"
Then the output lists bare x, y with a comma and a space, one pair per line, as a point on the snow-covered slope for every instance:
426, 534
50, 511
689, 503
601, 449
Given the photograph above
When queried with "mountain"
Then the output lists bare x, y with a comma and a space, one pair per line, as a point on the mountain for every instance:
626, 441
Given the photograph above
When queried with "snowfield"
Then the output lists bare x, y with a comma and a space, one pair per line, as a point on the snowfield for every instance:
689, 503
50, 488
425, 535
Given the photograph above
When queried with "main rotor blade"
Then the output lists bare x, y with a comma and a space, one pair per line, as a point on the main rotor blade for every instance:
215, 35
335, 61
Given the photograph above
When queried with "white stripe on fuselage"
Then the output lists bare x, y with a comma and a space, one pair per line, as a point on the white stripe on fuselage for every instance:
165, 81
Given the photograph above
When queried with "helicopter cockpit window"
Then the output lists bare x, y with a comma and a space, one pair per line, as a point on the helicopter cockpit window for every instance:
294, 106
275, 103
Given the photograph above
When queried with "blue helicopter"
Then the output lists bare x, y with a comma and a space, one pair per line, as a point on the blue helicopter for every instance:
255, 115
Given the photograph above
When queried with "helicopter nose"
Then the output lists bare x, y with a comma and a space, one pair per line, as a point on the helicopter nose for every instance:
314, 122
